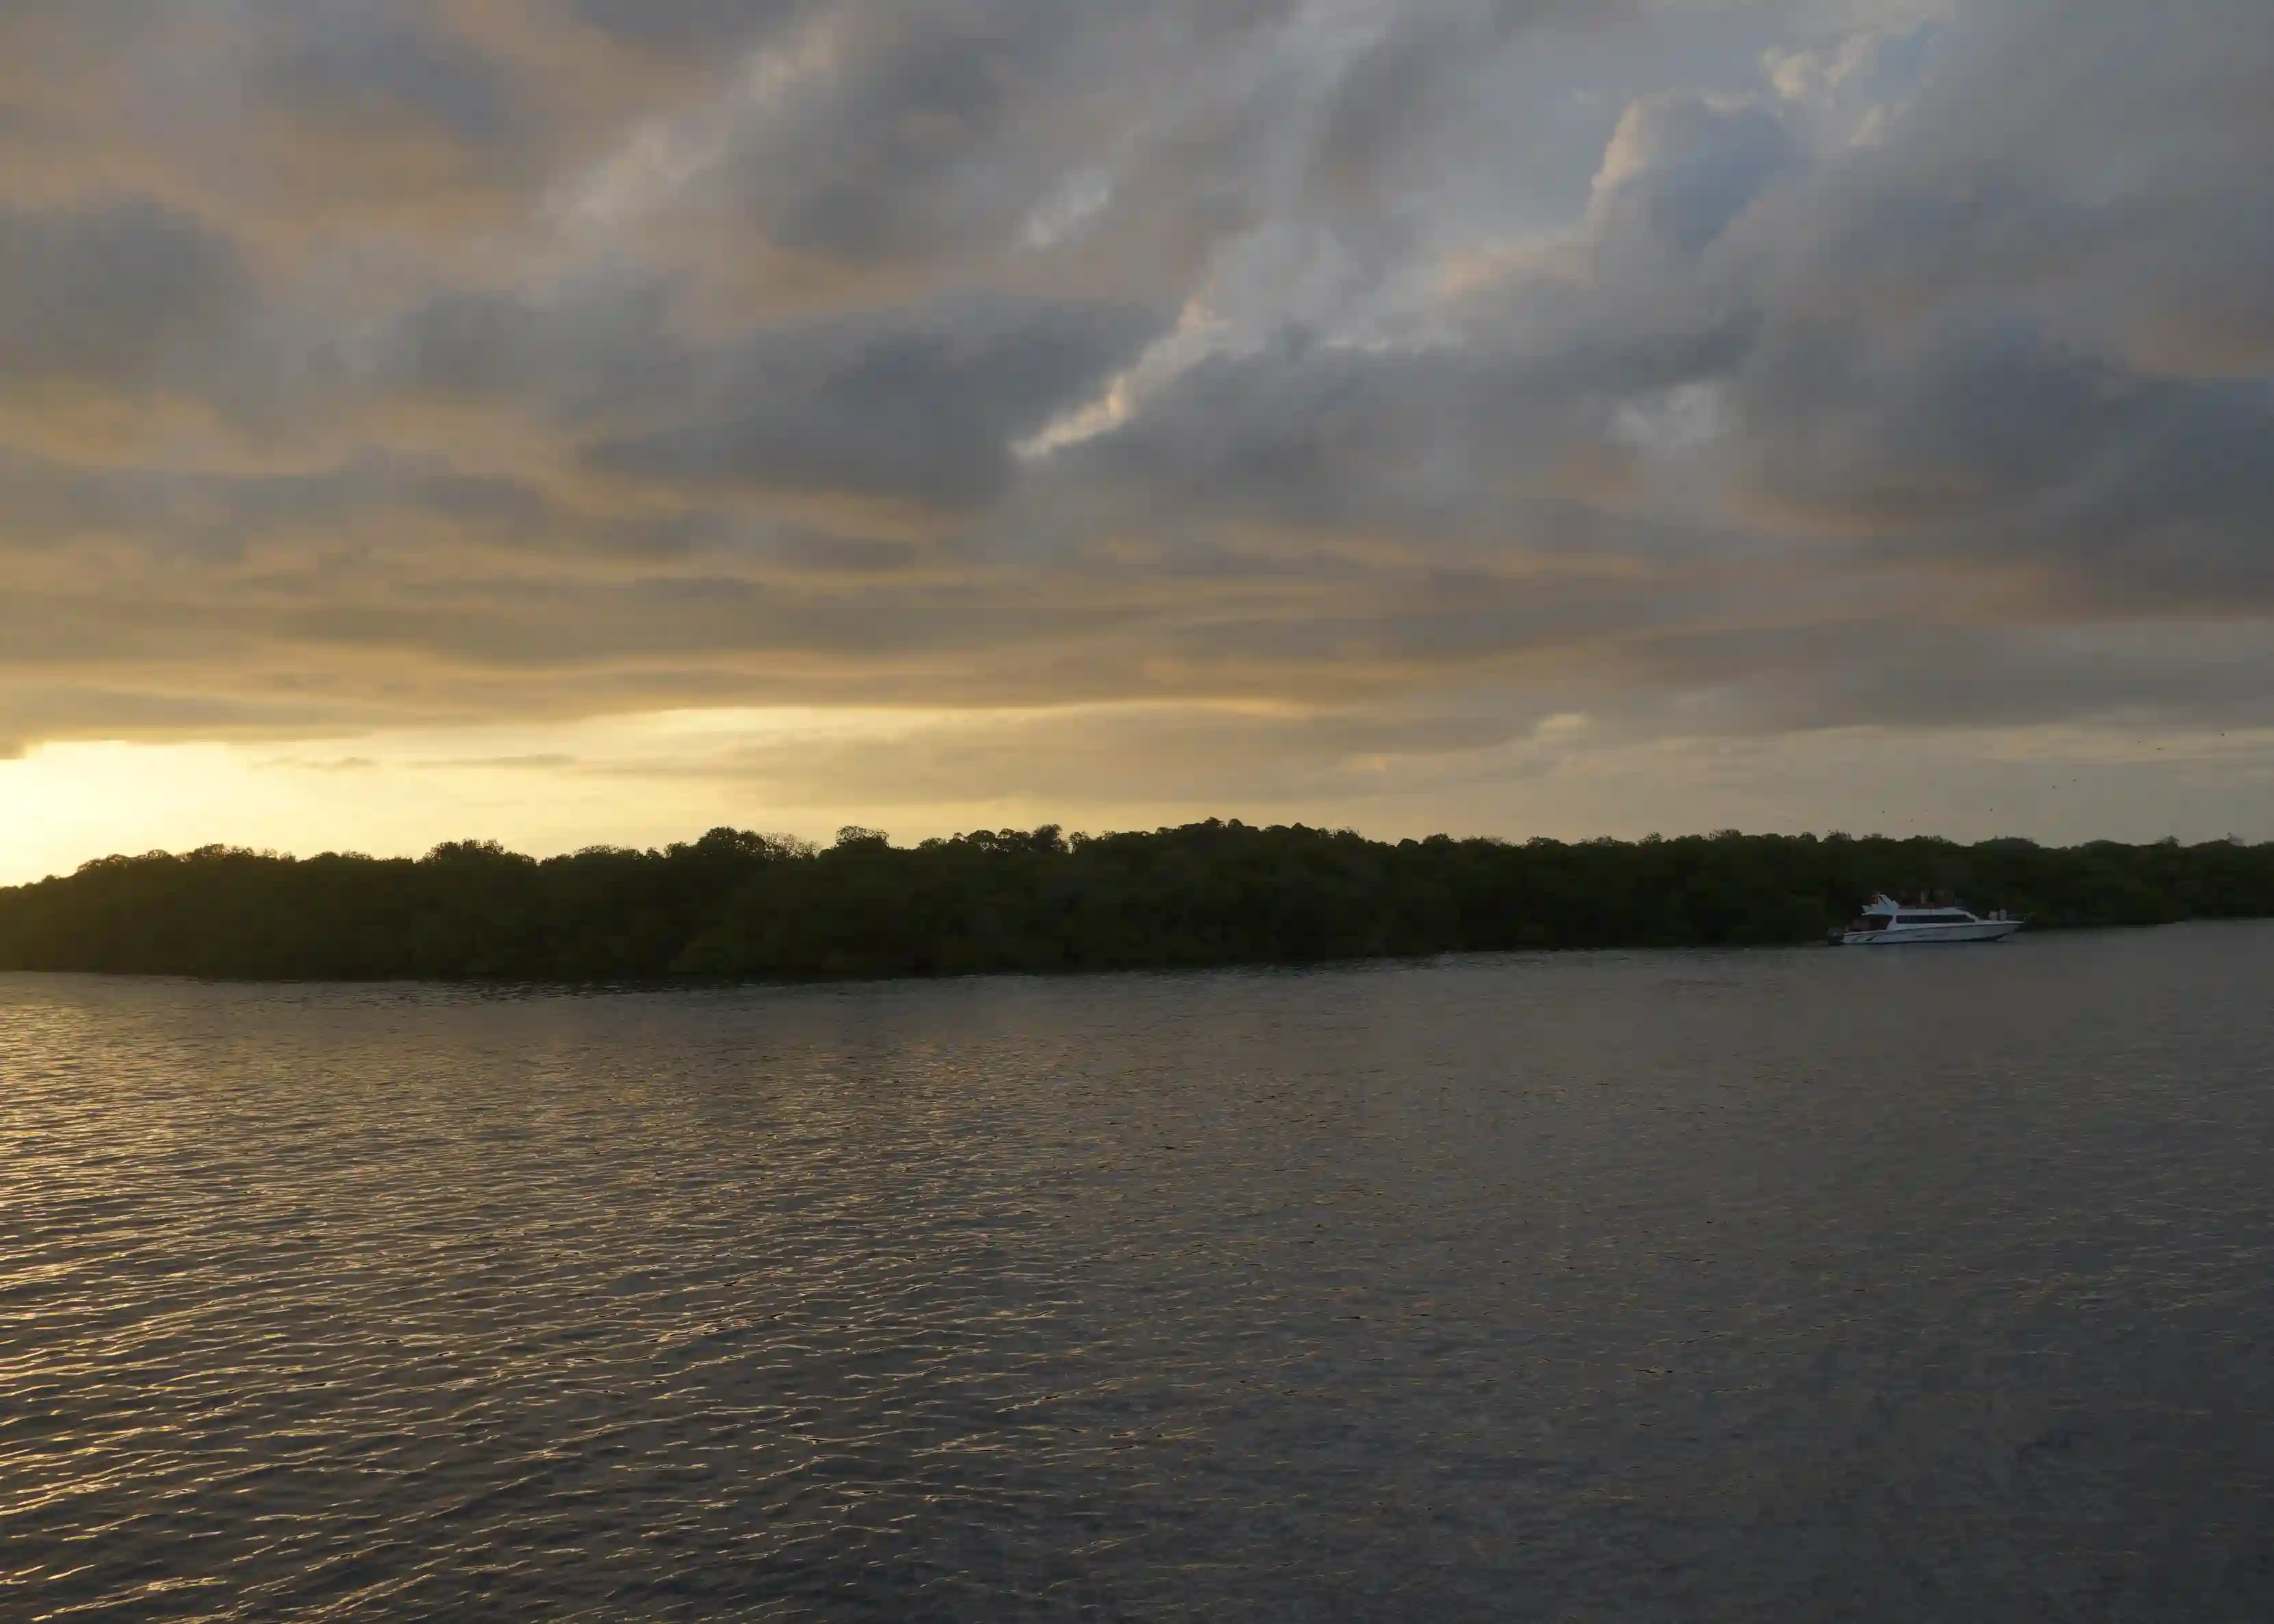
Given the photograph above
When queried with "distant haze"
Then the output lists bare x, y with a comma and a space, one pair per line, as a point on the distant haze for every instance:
578, 421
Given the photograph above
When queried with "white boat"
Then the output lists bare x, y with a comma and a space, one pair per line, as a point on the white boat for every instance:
1889, 923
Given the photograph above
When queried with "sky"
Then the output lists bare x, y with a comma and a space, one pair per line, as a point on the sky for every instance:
580, 422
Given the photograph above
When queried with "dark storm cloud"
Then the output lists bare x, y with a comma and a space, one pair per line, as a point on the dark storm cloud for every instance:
1689, 363
1909, 348
1680, 169
109, 290
875, 133
689, 27
350, 60
1439, 441
1376, 123
869, 171
1895, 672
1988, 440
603, 351
921, 404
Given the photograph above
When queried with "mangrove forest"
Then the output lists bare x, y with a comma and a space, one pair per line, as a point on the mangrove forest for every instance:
739, 905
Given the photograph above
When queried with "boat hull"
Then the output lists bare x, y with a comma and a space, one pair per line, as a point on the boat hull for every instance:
1929, 935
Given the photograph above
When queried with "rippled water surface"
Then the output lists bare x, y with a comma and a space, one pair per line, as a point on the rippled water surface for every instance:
1805, 1285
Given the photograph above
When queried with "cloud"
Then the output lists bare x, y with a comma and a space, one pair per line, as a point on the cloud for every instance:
1679, 169
1712, 372
113, 291
923, 403
699, 28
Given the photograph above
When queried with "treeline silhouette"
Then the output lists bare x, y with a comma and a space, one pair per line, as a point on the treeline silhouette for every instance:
736, 905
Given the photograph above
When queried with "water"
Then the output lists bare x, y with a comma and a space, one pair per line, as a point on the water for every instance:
1782, 1285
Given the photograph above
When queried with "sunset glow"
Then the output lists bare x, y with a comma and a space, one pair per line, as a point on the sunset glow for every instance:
585, 422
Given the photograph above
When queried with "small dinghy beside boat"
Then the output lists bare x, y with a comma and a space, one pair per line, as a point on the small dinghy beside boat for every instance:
1889, 923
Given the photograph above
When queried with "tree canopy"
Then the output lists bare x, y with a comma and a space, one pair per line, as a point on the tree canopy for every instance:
736, 905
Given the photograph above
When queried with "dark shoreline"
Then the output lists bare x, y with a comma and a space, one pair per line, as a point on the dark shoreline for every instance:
734, 907
514, 988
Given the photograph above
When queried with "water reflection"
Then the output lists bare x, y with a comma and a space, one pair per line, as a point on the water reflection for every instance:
1623, 1287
